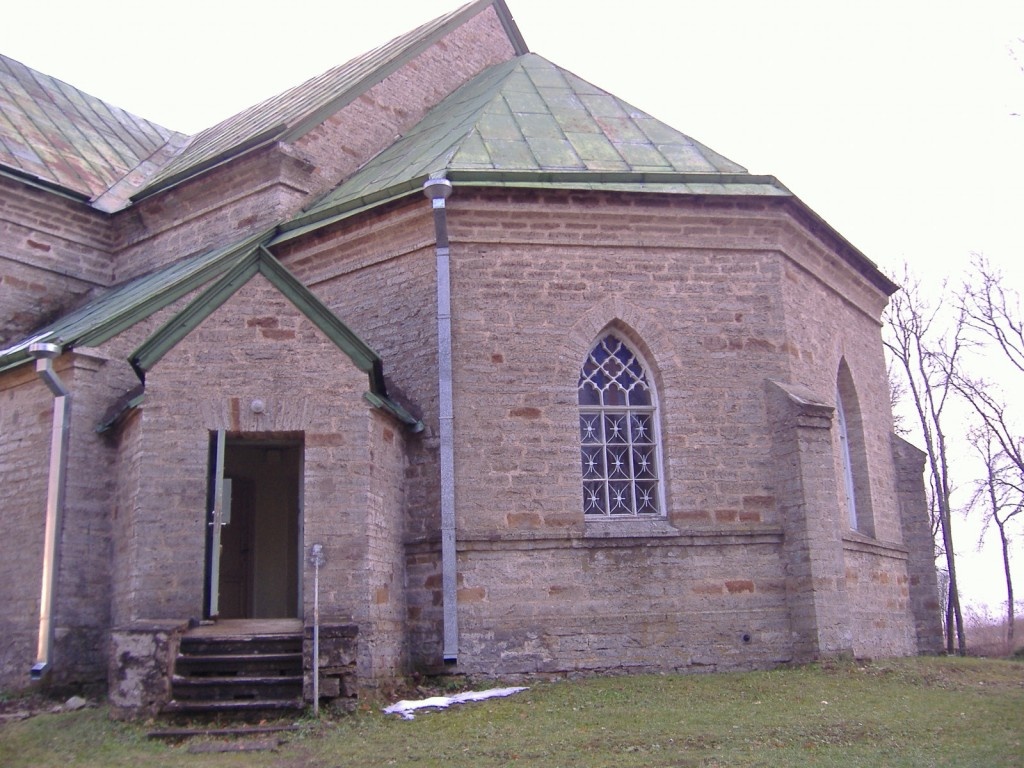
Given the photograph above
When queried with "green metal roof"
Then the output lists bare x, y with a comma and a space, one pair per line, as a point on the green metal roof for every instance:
121, 307
289, 115
229, 268
54, 134
256, 260
528, 122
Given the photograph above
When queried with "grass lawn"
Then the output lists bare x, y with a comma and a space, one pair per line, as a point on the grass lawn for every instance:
905, 712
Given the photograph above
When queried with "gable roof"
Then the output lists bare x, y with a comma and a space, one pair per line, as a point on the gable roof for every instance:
54, 134
120, 307
228, 268
289, 115
252, 261
530, 122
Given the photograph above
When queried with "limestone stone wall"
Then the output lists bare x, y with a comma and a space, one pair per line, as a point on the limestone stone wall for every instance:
125, 518
270, 185
701, 601
833, 319
717, 296
378, 274
386, 648
82, 617
141, 660
25, 410
817, 599
707, 291
82, 582
878, 586
364, 127
256, 346
536, 278
925, 603
825, 325
227, 204
56, 253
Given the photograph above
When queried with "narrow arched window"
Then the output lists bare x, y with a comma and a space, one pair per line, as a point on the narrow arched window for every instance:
847, 462
853, 453
619, 438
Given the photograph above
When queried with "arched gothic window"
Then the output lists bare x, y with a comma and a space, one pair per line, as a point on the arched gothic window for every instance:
847, 462
619, 438
853, 453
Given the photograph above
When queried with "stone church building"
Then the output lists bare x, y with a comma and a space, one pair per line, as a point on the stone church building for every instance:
503, 374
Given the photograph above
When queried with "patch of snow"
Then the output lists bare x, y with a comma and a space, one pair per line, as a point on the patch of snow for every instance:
406, 708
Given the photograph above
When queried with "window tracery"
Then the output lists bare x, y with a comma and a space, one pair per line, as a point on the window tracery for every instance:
618, 433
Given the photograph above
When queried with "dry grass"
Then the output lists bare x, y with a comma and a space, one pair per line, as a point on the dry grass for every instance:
986, 633
899, 713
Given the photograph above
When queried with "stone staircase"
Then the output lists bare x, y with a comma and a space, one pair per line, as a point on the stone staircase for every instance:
238, 667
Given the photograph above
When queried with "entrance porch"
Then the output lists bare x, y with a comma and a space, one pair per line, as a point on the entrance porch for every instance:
229, 666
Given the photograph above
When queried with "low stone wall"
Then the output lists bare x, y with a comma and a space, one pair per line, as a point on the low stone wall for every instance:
338, 677
141, 655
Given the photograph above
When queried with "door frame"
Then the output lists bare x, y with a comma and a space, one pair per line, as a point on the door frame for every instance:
219, 497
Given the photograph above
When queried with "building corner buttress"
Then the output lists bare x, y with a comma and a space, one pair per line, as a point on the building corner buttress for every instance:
805, 480
924, 601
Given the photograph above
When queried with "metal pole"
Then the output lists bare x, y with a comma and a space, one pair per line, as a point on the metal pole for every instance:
317, 556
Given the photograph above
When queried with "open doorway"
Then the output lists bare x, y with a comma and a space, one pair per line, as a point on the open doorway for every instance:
253, 554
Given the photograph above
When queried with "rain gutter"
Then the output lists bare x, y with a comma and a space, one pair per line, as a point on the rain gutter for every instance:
437, 190
44, 355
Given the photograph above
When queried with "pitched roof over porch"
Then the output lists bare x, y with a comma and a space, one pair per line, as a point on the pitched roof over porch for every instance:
223, 271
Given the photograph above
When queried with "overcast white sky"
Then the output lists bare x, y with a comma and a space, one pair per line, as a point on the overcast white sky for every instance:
901, 122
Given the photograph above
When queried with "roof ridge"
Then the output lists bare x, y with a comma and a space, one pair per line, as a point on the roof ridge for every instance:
271, 119
473, 108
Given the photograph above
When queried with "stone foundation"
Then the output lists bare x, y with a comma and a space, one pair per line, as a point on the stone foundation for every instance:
141, 657
338, 678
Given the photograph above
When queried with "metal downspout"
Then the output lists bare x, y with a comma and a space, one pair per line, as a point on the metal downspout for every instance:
44, 355
438, 190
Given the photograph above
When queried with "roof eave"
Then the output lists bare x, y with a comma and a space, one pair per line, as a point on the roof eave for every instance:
647, 182
851, 253
45, 185
258, 260
126, 313
583, 180
263, 139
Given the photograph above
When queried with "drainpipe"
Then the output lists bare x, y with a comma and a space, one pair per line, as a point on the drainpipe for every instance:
44, 355
437, 190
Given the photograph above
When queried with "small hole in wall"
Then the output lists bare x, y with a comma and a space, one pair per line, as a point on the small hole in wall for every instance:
746, 638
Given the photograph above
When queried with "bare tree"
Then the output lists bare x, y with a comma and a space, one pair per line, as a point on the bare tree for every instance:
1000, 495
897, 394
991, 313
924, 353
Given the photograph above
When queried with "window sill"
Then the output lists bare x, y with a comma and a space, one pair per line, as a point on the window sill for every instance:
853, 541
628, 527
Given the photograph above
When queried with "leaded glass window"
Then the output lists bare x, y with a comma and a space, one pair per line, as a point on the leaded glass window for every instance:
618, 433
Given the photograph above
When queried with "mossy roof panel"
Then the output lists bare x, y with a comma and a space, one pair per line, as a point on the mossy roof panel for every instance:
529, 117
288, 115
55, 134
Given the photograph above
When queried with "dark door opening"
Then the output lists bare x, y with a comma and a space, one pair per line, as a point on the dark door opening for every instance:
253, 548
